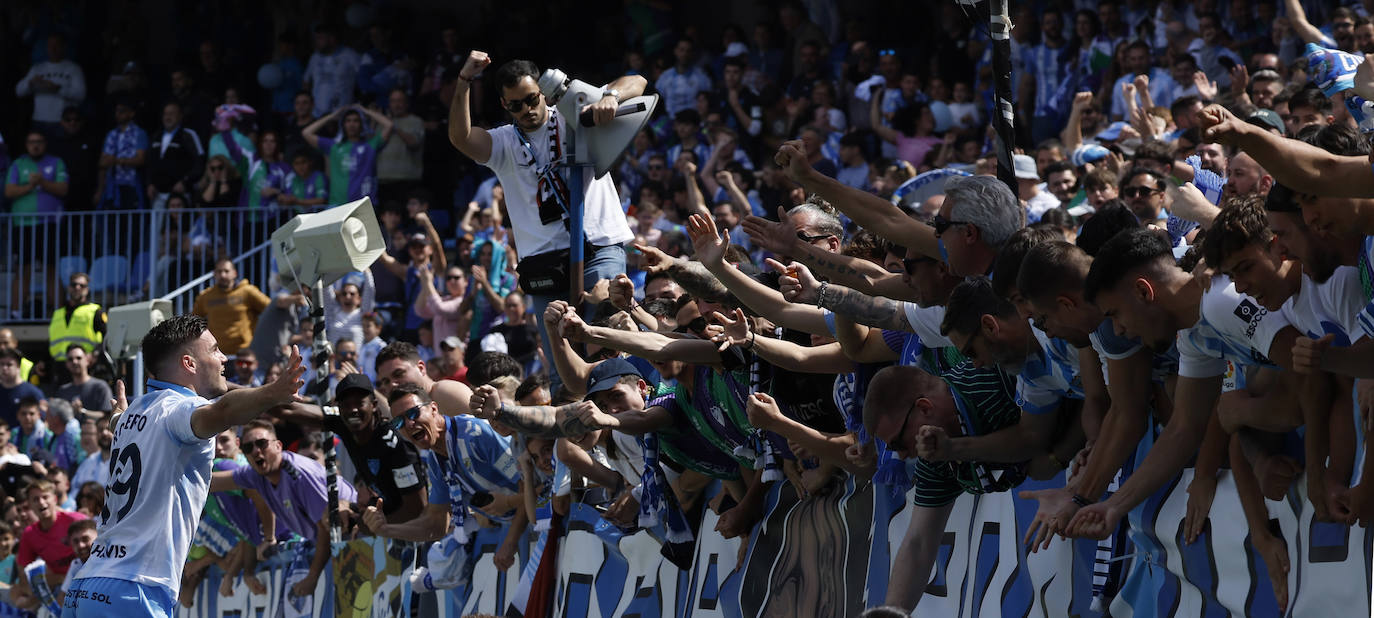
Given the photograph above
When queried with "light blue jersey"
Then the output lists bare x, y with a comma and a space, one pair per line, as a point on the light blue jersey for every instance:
1051, 373
144, 534
479, 461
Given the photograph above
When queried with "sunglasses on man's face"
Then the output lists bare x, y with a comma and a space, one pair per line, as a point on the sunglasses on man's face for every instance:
1138, 191
519, 105
811, 238
910, 264
941, 224
697, 326
249, 447
399, 421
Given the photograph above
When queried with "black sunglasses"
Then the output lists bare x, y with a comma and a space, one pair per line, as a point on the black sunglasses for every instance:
812, 237
1138, 191
697, 325
399, 420
249, 447
519, 105
941, 224
455, 277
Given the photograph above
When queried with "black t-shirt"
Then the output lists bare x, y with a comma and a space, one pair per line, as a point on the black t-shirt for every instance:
387, 464
522, 341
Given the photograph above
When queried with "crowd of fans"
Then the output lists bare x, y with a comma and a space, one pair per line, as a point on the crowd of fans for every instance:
1186, 249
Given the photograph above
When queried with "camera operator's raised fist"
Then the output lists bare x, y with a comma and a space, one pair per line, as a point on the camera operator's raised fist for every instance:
477, 60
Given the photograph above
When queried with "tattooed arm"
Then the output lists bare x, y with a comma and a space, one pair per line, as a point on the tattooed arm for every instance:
569, 420
875, 311
697, 281
798, 285
857, 273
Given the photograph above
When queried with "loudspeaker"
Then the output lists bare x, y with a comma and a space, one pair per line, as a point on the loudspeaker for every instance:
327, 245
127, 324
599, 146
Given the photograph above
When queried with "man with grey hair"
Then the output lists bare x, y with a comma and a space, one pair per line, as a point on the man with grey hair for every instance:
978, 215
63, 442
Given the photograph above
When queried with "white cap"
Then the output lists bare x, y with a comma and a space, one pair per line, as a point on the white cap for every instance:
1025, 167
736, 49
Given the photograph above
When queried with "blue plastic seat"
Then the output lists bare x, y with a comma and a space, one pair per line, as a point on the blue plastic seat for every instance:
108, 273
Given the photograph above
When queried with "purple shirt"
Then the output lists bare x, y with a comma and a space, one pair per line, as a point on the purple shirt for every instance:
301, 496
237, 507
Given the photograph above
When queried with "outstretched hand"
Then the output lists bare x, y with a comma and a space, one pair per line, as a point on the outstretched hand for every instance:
776, 237
283, 389
797, 284
707, 243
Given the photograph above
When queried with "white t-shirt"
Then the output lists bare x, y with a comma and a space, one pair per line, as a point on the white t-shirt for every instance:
603, 219
144, 534
925, 322
1232, 327
1328, 308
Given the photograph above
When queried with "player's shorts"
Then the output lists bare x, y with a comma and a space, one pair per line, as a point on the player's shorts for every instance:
105, 597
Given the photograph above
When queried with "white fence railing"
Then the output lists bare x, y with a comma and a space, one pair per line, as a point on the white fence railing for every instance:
130, 255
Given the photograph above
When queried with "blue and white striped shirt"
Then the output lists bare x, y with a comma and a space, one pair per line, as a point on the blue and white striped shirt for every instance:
1051, 373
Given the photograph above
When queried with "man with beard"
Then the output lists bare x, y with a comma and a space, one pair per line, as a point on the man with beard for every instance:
295, 489
399, 364
163, 440
386, 465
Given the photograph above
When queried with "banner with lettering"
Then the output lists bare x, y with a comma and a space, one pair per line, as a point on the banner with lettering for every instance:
830, 555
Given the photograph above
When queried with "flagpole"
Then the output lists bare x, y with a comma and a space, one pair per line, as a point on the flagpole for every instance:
999, 27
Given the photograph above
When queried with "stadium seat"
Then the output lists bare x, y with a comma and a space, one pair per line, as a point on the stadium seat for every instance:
141, 271
68, 265
108, 273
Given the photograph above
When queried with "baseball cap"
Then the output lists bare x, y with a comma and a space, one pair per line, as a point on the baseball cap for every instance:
1088, 154
452, 342
605, 375
1266, 118
417, 238
1113, 131
1025, 167
353, 381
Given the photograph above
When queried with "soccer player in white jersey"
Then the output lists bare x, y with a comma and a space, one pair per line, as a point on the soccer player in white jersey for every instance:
165, 440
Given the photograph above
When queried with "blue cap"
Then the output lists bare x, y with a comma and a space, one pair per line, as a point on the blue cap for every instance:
606, 374
1091, 153
1113, 131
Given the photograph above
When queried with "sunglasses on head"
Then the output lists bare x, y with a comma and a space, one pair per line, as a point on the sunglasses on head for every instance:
249, 447
888, 52
941, 224
519, 105
399, 421
695, 326
1138, 191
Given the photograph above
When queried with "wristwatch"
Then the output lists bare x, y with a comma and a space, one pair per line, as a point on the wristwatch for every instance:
611, 92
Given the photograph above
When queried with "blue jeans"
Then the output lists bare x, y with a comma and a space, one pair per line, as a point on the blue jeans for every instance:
605, 263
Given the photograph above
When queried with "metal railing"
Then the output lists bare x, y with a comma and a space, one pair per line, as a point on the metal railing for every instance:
129, 255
